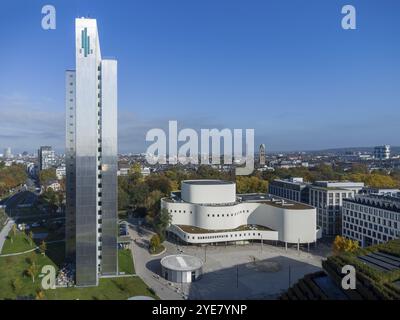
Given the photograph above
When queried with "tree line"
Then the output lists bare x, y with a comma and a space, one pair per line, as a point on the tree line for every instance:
11, 177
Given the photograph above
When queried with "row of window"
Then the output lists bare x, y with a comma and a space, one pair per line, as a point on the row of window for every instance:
370, 227
222, 236
372, 211
213, 215
367, 218
359, 236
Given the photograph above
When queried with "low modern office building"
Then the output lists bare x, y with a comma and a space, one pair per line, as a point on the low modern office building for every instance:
181, 268
327, 197
294, 189
393, 192
210, 211
371, 219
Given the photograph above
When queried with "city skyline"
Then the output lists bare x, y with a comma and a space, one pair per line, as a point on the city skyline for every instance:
295, 76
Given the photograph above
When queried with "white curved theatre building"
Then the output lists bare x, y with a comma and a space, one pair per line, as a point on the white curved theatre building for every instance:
209, 211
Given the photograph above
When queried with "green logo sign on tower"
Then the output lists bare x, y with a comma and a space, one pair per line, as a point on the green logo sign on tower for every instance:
85, 43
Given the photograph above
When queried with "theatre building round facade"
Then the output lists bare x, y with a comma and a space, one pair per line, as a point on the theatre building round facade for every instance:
181, 268
210, 211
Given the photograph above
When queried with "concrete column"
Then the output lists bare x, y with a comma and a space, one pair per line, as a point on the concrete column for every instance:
286, 246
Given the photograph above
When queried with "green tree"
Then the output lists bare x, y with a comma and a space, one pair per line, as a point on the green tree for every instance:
161, 183
161, 222
155, 243
123, 199
50, 199
45, 176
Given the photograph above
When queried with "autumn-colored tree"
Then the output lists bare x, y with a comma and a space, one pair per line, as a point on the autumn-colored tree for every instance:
155, 242
251, 184
47, 175
342, 244
30, 237
16, 285
32, 270
43, 247
40, 295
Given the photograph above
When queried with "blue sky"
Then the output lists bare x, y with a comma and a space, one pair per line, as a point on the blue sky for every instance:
285, 68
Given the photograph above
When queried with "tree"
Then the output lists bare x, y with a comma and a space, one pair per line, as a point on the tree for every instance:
13, 231
341, 244
30, 236
251, 184
161, 223
16, 285
32, 258
32, 270
161, 183
40, 295
45, 176
123, 198
155, 243
43, 247
11, 177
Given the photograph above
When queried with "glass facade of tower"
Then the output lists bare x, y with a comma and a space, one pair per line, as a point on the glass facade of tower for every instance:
92, 239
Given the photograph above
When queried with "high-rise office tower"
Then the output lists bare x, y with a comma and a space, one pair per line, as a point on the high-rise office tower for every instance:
262, 154
7, 153
46, 158
91, 159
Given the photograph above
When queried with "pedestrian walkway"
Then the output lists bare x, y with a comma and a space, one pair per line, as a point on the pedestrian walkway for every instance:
4, 233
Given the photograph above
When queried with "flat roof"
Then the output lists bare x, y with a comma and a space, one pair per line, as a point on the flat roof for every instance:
207, 182
246, 227
181, 262
263, 198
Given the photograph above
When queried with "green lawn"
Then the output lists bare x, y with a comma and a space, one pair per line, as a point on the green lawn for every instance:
125, 261
12, 268
108, 289
20, 243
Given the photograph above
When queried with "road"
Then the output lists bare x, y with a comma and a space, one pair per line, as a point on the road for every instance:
23, 197
4, 233
142, 258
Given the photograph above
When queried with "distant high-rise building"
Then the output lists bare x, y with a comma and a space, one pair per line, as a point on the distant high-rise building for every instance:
262, 154
91, 159
46, 158
382, 152
7, 153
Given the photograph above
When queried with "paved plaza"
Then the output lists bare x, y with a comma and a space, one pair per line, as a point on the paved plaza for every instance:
251, 271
